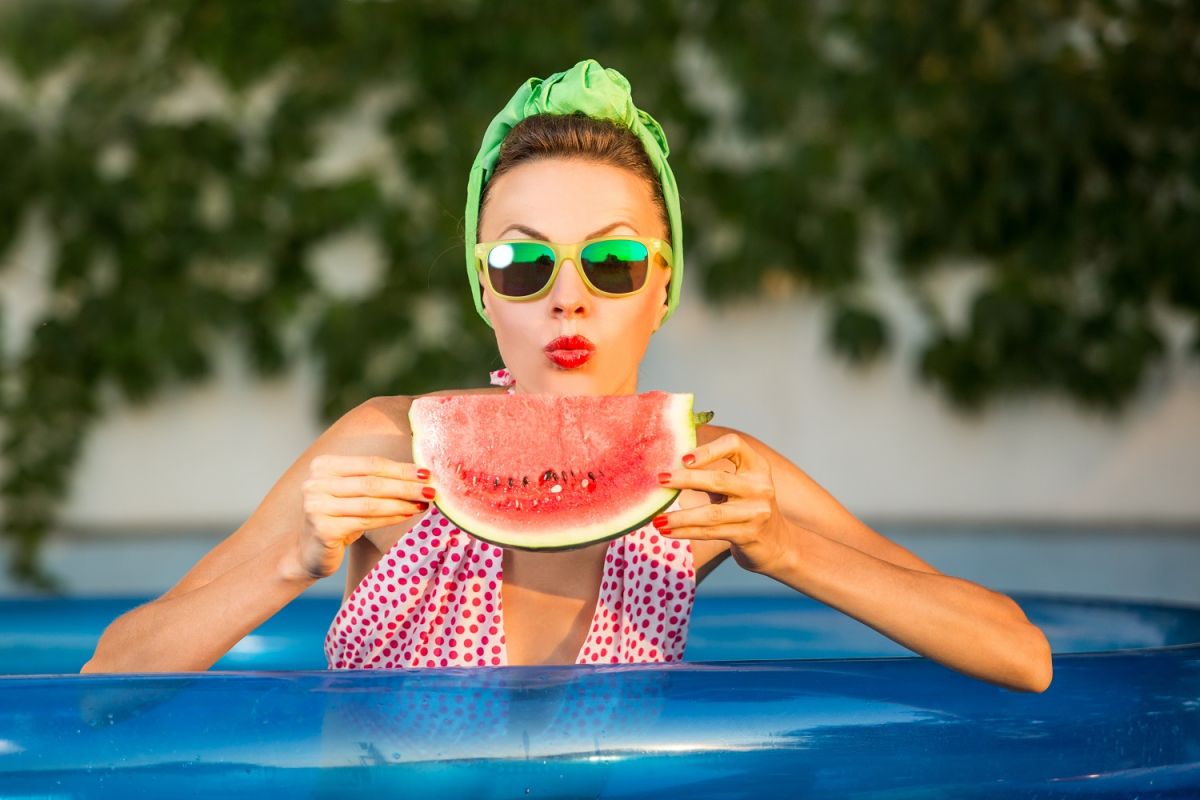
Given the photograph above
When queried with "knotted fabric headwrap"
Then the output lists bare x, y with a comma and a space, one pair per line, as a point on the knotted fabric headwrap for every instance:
599, 93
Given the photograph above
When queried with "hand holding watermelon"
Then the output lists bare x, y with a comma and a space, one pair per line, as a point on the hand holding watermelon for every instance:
748, 517
345, 496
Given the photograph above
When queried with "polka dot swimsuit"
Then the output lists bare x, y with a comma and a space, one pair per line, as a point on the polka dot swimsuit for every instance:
434, 600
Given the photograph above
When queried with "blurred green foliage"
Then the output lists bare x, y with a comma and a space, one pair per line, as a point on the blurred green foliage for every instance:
1054, 142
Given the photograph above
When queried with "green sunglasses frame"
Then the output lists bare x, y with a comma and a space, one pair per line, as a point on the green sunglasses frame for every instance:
654, 247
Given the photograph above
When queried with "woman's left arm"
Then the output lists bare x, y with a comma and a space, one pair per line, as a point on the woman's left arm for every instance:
960, 624
806, 503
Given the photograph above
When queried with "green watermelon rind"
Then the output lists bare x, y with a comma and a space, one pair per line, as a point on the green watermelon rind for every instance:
560, 547
656, 502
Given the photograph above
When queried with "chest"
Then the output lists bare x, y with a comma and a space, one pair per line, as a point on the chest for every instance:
541, 628
547, 607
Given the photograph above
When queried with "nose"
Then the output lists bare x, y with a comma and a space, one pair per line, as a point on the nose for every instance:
569, 296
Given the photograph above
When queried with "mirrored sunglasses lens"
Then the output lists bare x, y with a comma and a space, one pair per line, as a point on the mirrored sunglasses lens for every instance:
519, 269
618, 266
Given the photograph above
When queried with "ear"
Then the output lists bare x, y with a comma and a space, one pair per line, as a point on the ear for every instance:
666, 307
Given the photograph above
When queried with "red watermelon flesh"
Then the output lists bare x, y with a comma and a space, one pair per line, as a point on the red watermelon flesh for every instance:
551, 472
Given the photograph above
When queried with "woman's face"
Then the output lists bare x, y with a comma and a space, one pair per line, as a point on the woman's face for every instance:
571, 200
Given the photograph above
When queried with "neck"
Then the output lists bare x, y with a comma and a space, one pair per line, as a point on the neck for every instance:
551, 573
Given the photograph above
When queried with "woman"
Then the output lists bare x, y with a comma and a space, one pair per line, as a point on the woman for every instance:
569, 160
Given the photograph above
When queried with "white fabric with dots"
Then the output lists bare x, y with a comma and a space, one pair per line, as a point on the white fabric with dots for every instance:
434, 600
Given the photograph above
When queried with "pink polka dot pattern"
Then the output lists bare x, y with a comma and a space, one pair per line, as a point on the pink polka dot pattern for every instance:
502, 377
434, 600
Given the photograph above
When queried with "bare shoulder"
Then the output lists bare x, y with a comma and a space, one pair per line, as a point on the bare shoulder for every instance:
392, 410
709, 432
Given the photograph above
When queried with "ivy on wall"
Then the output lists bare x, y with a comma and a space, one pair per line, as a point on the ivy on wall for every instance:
179, 153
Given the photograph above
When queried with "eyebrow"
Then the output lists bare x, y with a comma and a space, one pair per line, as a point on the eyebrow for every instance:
525, 229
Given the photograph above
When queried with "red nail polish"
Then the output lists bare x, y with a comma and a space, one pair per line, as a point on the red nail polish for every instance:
689, 459
423, 506
428, 491
422, 473
663, 477
660, 521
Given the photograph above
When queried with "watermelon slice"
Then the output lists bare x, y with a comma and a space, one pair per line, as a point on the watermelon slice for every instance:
552, 472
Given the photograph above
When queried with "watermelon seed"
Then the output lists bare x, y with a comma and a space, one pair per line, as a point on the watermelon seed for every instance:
556, 488
495, 481
525, 481
590, 475
510, 483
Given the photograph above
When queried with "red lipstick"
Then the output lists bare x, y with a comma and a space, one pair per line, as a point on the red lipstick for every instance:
569, 352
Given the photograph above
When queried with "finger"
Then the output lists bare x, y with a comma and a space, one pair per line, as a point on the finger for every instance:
738, 533
713, 481
373, 507
371, 486
348, 525
731, 446
328, 464
711, 515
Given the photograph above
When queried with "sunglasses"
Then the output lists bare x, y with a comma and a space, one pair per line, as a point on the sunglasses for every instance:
524, 269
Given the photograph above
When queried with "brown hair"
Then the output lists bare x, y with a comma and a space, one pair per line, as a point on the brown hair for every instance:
599, 140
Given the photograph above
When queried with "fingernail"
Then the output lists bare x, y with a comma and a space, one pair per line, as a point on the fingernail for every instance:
428, 491
663, 477
660, 521
422, 473
423, 506
688, 460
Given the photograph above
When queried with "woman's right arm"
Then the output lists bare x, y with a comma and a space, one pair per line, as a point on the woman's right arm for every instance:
268, 561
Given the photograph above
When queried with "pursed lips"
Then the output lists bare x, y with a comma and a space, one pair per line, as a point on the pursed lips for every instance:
569, 351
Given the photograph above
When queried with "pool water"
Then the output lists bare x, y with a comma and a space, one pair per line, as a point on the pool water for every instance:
777, 696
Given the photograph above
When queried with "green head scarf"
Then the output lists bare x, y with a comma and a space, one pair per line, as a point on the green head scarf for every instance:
597, 92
